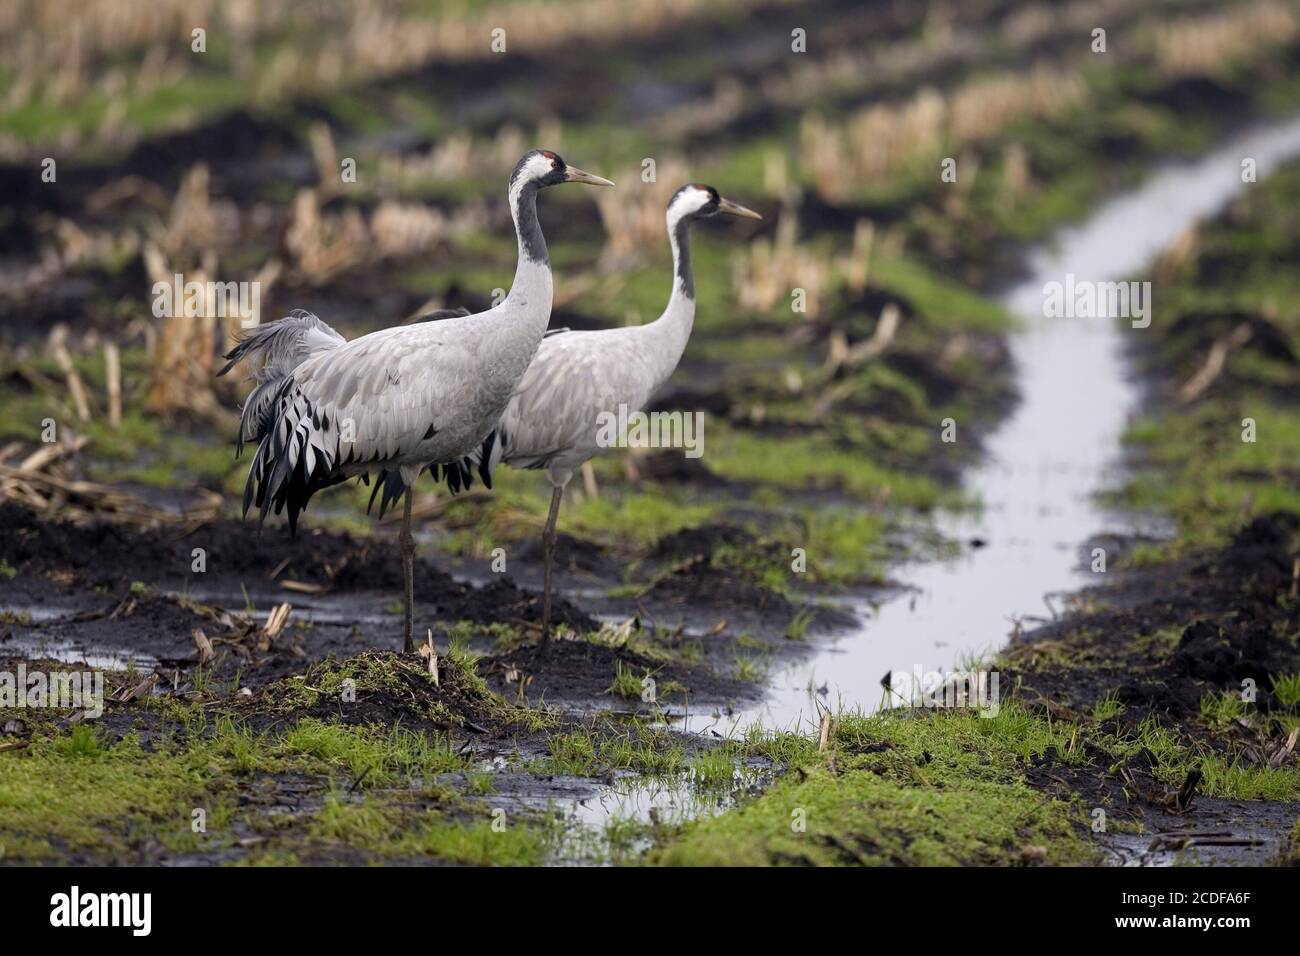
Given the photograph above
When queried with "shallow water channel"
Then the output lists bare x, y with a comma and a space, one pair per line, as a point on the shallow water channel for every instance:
1038, 483
1044, 467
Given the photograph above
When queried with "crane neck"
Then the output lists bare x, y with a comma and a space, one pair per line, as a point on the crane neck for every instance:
679, 237
532, 288
673, 328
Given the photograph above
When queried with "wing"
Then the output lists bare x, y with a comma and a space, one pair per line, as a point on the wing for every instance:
281, 346
379, 391
558, 406
389, 485
366, 403
274, 350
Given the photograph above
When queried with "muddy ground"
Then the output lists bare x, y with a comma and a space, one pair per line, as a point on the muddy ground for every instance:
675, 575
1157, 641
78, 594
104, 592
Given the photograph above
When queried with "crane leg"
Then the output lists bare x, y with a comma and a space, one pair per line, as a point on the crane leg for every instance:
406, 541
548, 557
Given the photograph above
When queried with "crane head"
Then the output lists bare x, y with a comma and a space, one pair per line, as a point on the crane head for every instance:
698, 201
541, 168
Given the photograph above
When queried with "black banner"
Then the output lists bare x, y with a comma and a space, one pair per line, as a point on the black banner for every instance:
332, 905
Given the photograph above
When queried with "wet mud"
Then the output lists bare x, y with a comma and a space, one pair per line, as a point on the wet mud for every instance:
1155, 642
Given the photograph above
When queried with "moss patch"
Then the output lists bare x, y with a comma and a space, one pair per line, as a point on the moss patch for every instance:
934, 790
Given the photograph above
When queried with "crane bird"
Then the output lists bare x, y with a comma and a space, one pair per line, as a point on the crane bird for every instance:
553, 419
398, 400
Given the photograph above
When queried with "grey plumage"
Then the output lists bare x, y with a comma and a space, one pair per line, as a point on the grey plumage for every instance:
404, 398
553, 419
280, 347
400, 399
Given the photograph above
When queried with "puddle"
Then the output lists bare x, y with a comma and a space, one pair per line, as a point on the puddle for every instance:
79, 653
616, 822
1044, 466
26, 614
343, 610
27, 640
1226, 833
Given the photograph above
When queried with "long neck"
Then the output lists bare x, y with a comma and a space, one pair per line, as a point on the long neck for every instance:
532, 289
673, 328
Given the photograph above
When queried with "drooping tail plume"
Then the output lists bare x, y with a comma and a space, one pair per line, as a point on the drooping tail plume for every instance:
275, 349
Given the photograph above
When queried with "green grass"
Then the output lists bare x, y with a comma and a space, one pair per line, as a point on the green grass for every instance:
941, 303
797, 629
1229, 778
167, 106
574, 754
750, 669
1197, 469
1197, 465
634, 747
1107, 708
815, 462
81, 795
945, 787
859, 818
483, 842
362, 822
621, 518
645, 751
1286, 687
382, 829
375, 754
1224, 775
937, 789
142, 449
626, 684
716, 768
637, 517
1222, 709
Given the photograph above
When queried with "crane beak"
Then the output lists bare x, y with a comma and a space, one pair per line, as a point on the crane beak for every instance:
573, 174
735, 209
